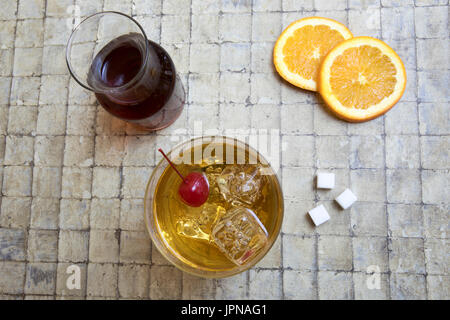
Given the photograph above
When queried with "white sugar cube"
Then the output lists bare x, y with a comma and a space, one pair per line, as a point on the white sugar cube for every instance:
319, 215
346, 199
325, 180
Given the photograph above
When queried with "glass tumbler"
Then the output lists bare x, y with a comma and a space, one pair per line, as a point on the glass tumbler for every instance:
234, 228
133, 78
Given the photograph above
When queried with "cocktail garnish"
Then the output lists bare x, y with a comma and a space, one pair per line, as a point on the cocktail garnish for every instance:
194, 190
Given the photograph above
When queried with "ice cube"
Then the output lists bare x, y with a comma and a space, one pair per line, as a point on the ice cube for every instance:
199, 224
241, 184
210, 161
240, 235
190, 228
209, 215
212, 173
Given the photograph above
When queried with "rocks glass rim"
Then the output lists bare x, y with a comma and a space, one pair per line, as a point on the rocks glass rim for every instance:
162, 246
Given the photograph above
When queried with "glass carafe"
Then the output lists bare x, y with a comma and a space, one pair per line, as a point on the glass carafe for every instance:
132, 77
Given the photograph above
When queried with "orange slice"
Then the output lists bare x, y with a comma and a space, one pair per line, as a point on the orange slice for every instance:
361, 79
302, 46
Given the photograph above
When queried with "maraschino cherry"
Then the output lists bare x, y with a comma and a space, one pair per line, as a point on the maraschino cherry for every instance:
194, 190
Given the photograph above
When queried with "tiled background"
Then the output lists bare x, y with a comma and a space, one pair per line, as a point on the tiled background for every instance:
72, 178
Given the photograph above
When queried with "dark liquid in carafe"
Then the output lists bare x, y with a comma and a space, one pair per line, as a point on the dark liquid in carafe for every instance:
121, 65
137, 93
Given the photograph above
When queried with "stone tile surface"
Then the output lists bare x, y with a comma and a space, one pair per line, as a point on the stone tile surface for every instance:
72, 177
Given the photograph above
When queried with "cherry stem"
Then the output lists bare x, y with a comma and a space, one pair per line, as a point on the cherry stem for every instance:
172, 165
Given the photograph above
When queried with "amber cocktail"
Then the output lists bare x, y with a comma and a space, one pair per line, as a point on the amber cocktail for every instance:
238, 223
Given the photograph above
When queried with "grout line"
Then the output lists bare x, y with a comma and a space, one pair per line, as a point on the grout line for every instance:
118, 230
31, 165
250, 73
86, 294
58, 229
316, 196
187, 104
388, 238
349, 141
316, 201
142, 134
427, 291
220, 15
